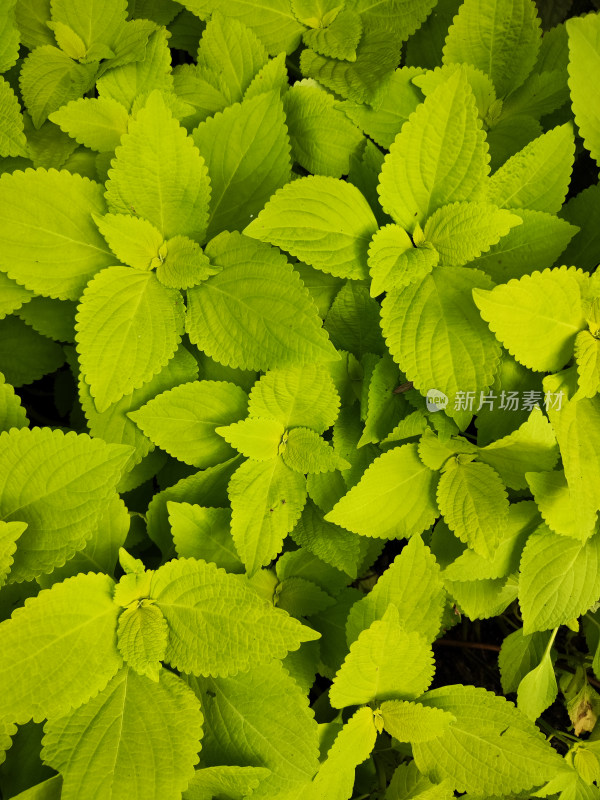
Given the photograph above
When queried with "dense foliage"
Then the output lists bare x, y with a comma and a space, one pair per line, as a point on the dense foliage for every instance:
299, 392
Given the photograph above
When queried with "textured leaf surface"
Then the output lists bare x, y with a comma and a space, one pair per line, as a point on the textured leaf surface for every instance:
158, 174
324, 222
59, 649
204, 533
9, 534
385, 662
49, 241
92, 20
394, 262
254, 437
247, 152
536, 317
183, 420
142, 638
255, 314
413, 722
394, 498
218, 625
584, 58
587, 356
128, 328
12, 138
115, 744
446, 127
234, 781
133, 240
305, 451
12, 413
25, 355
518, 655
334, 545
538, 689
96, 122
58, 485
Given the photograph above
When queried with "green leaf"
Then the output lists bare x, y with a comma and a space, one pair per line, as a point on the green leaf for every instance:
434, 451
183, 420
394, 261
461, 232
338, 39
394, 498
49, 317
584, 53
536, 317
115, 744
31, 17
413, 584
133, 240
305, 451
245, 716
324, 222
9, 534
236, 782
194, 90
322, 137
490, 749
518, 655
49, 79
538, 689
500, 37
76, 617
272, 77
247, 152
299, 397
184, 265
413, 722
52, 246
400, 16
204, 533
352, 746
257, 290
12, 413
482, 599
25, 355
12, 138
9, 37
407, 783
95, 21
96, 122
385, 407
12, 295
218, 625
385, 662
128, 328
267, 498
435, 334
538, 176
255, 438
553, 498
447, 128
58, 484
560, 579
531, 447
587, 356
158, 174
473, 501
352, 322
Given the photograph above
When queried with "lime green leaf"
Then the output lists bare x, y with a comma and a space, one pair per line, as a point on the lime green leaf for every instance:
385, 662
95, 21
158, 174
49, 79
510, 752
474, 504
142, 637
353, 745
128, 328
245, 716
267, 498
539, 240
352, 322
59, 485
218, 625
553, 498
518, 655
133, 240
482, 599
296, 396
413, 584
408, 783
12, 295
9, 534
500, 37
255, 438
12, 413
480, 83
49, 241
301, 598
587, 356
12, 138
68, 41
338, 39
413, 722
96, 122
76, 617
50, 317
538, 689
384, 119
560, 579
25, 355
232, 51
394, 498
334, 545
31, 18
324, 222
461, 232
202, 96
272, 77
322, 137
257, 291
394, 262
434, 332
385, 407
184, 264
305, 451
204, 533
236, 782
446, 126
402, 17
538, 176
536, 317
531, 447
9, 37
115, 744
434, 451
183, 420
584, 52
247, 152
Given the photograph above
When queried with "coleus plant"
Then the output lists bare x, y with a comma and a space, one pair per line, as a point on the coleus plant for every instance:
323, 337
